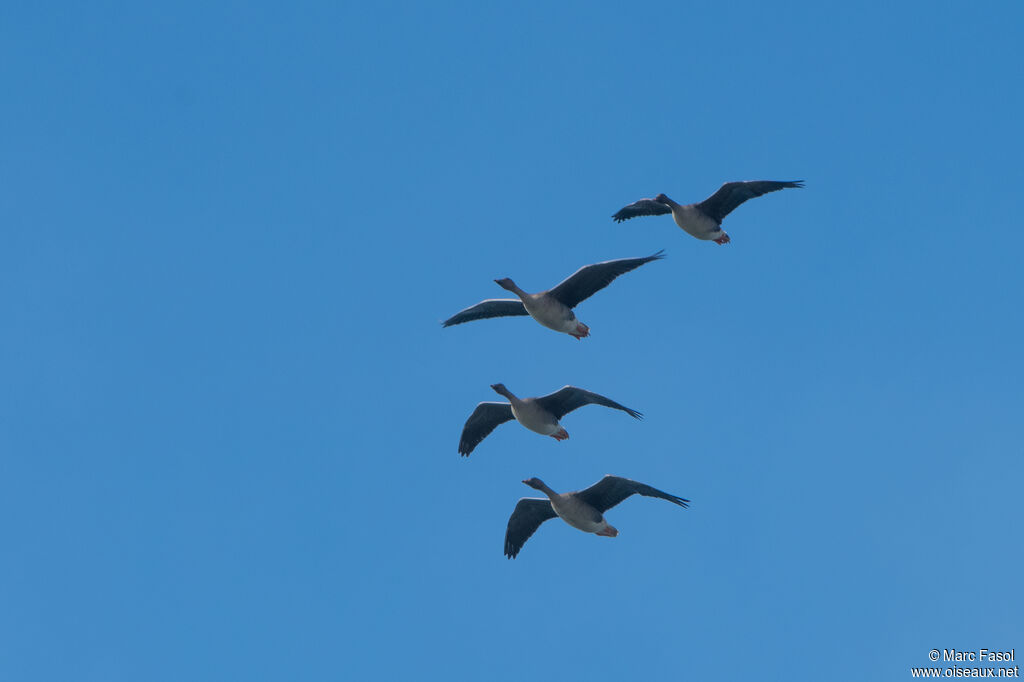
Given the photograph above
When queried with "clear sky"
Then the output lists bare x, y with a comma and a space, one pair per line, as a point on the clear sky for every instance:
229, 416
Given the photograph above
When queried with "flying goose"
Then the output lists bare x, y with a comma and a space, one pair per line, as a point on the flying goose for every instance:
704, 220
553, 308
583, 509
537, 414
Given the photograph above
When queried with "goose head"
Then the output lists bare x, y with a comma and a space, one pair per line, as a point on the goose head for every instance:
506, 283
662, 199
535, 483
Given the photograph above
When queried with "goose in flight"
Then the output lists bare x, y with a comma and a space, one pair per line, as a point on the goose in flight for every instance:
537, 414
704, 220
583, 509
553, 308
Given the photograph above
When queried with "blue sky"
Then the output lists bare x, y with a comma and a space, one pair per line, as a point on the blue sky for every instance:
229, 425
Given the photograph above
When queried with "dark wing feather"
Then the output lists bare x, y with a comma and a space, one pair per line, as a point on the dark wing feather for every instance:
492, 307
590, 279
611, 490
642, 207
565, 400
732, 194
485, 418
529, 513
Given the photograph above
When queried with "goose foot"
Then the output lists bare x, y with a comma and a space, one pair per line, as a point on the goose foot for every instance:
582, 330
608, 532
724, 239
561, 435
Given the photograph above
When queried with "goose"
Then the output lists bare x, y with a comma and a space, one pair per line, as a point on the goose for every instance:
583, 509
704, 220
553, 308
537, 414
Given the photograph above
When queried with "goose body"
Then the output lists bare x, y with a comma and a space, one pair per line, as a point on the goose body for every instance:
534, 417
553, 308
704, 220
550, 312
581, 515
583, 509
696, 222
540, 415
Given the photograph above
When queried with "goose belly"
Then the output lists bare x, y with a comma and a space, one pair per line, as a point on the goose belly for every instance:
536, 419
552, 314
697, 223
580, 516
